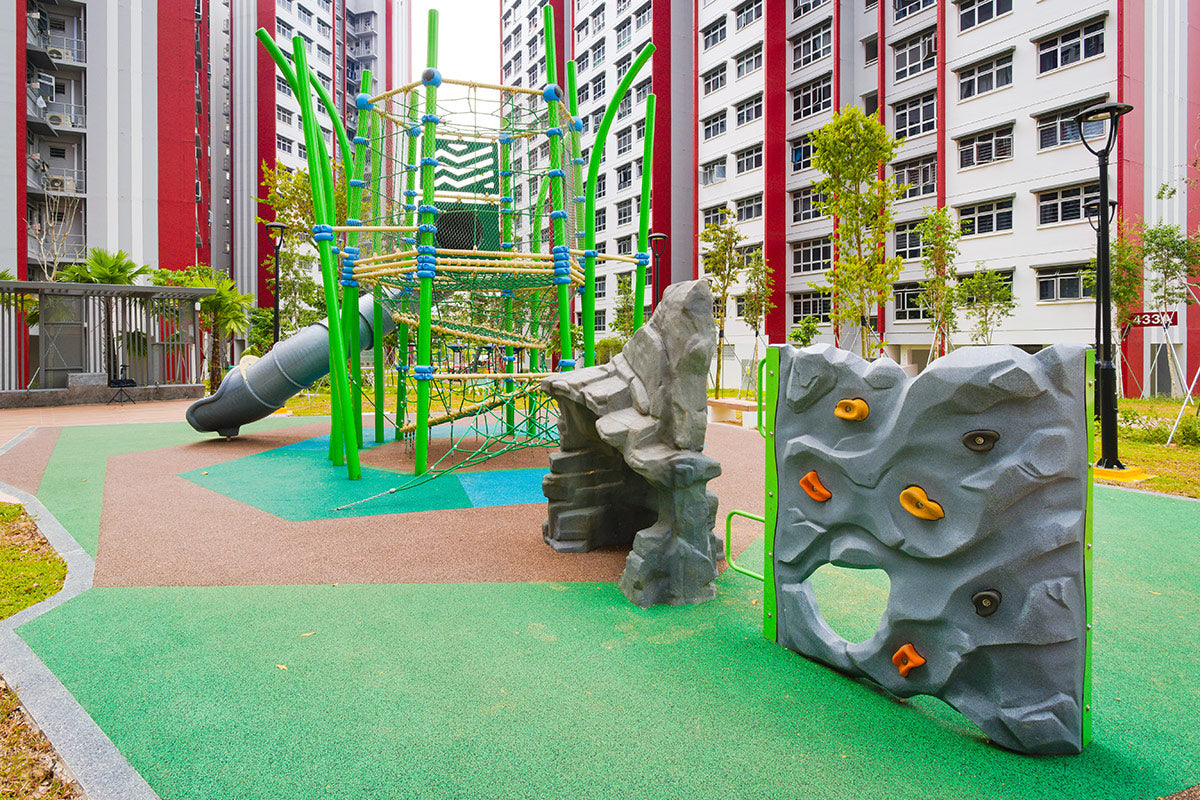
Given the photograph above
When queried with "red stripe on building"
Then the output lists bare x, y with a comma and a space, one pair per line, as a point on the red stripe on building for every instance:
660, 211
694, 121
942, 122
776, 168
560, 41
177, 175
880, 103
22, 265
1131, 157
265, 145
1193, 192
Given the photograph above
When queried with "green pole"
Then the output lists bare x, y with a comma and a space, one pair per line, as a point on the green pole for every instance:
643, 255
377, 308
558, 229
506, 243
404, 333
428, 238
320, 173
349, 285
589, 214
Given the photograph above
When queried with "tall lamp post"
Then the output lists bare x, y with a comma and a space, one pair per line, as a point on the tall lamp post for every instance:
1110, 113
658, 245
1092, 210
275, 230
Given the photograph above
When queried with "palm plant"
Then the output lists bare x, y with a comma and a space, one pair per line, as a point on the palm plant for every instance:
224, 313
107, 267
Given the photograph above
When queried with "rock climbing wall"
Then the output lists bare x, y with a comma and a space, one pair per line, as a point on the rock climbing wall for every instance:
630, 470
967, 485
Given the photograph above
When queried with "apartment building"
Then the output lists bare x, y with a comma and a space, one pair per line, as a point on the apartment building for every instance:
107, 149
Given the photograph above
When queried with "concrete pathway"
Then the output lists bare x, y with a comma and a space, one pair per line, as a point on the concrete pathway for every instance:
15, 420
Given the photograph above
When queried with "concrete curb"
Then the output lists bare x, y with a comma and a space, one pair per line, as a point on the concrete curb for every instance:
91, 756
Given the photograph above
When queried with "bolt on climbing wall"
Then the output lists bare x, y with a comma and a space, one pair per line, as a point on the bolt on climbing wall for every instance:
968, 486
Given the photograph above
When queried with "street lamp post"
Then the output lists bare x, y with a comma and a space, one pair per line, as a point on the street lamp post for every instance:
658, 245
1092, 210
275, 230
1110, 112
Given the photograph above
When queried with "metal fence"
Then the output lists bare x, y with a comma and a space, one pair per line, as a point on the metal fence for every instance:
147, 334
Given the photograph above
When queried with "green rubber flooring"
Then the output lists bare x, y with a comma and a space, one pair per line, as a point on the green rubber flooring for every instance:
567, 691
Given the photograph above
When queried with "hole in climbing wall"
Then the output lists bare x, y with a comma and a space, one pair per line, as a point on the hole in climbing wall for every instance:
852, 601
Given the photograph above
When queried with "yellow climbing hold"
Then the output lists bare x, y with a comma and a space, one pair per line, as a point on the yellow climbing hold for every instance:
854, 409
917, 503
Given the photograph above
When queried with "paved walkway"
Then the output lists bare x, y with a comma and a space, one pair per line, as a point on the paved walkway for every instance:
15, 420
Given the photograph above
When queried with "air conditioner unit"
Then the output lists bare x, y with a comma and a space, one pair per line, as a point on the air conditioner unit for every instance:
61, 183
56, 53
58, 120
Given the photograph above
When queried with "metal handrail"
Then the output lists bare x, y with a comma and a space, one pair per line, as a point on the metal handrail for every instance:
729, 541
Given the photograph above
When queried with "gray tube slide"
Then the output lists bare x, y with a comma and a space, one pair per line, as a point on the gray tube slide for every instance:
251, 391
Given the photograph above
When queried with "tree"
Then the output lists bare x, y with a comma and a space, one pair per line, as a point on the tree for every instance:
104, 266
939, 234
803, 333
1172, 262
622, 324
222, 314
851, 150
987, 295
52, 232
757, 299
1126, 276
723, 264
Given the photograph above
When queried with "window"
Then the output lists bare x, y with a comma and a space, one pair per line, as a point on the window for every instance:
324, 55
748, 208
624, 177
624, 141
714, 125
812, 98
324, 28
601, 185
804, 204
304, 14
871, 51
1062, 283
581, 63
750, 61
748, 159
283, 144
986, 147
987, 76
812, 45
812, 255
908, 302
642, 90
1066, 205
920, 174
624, 212
584, 92
747, 13
601, 319
623, 65
977, 12
639, 129
625, 108
283, 115
1069, 47
598, 53
283, 29
642, 17
810, 304
915, 116
581, 31
598, 19
1060, 127
802, 7
712, 216
598, 86
712, 172
714, 79
601, 218
624, 33
749, 110
802, 153
599, 287
986, 217
906, 8
908, 241
916, 54
714, 34
625, 248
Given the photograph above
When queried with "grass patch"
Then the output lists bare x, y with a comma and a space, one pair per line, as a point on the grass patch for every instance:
30, 571
1142, 430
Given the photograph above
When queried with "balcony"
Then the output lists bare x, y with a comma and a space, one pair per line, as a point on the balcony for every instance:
57, 180
65, 49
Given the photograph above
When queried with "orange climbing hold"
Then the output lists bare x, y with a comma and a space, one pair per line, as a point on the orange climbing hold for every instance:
917, 503
906, 658
811, 484
854, 409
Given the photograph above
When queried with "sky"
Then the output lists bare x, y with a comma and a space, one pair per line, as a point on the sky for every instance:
468, 38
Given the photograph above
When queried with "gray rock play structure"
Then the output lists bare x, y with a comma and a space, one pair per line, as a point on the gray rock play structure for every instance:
630, 468
256, 387
968, 485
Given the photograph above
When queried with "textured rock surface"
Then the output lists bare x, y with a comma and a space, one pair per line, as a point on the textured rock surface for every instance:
1013, 500
630, 468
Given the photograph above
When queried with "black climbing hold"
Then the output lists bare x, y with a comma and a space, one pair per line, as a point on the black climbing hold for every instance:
986, 602
980, 441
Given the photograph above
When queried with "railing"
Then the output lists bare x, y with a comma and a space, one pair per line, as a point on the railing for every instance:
33, 33
64, 180
65, 115
149, 334
68, 247
61, 47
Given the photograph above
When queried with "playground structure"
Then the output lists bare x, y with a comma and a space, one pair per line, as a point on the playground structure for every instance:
469, 222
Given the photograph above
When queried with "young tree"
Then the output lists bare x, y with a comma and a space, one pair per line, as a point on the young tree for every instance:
805, 331
851, 150
939, 234
52, 232
986, 295
223, 314
723, 265
1172, 262
1126, 277
757, 300
622, 324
